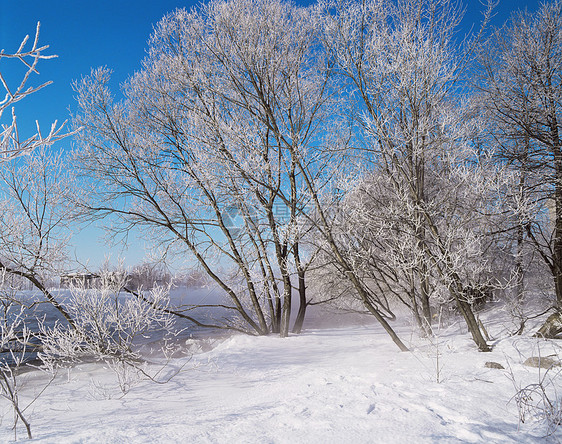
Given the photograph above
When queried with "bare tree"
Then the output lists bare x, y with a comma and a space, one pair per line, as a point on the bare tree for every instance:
18, 345
522, 68
33, 211
148, 275
204, 150
402, 62
32, 221
236, 114
34, 217
14, 345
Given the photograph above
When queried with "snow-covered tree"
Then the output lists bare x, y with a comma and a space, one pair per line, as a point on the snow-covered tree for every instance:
11, 145
522, 68
35, 214
405, 69
203, 151
33, 210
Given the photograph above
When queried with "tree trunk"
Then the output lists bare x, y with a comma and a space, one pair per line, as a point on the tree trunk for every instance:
297, 327
519, 270
385, 325
286, 314
557, 242
278, 310
519, 273
557, 247
472, 323
373, 310
426, 308
416, 311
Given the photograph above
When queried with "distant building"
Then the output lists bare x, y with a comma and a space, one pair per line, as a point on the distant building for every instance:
93, 280
86, 280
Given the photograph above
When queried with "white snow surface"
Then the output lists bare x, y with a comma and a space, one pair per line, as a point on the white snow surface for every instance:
333, 385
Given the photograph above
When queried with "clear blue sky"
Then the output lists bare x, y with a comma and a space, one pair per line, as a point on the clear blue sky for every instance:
83, 34
86, 34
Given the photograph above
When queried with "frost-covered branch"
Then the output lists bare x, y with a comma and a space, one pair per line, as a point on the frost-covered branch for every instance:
11, 144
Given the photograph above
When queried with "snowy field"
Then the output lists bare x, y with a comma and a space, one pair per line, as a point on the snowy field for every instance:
345, 384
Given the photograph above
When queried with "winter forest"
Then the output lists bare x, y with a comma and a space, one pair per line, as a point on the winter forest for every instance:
354, 212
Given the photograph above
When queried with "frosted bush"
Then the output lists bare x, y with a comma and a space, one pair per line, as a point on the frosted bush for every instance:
108, 323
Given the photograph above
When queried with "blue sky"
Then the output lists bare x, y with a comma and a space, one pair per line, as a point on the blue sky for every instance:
87, 34
83, 34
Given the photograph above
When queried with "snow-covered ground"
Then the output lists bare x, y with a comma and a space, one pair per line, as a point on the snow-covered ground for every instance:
333, 385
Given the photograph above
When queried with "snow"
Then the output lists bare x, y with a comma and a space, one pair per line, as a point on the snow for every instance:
346, 384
